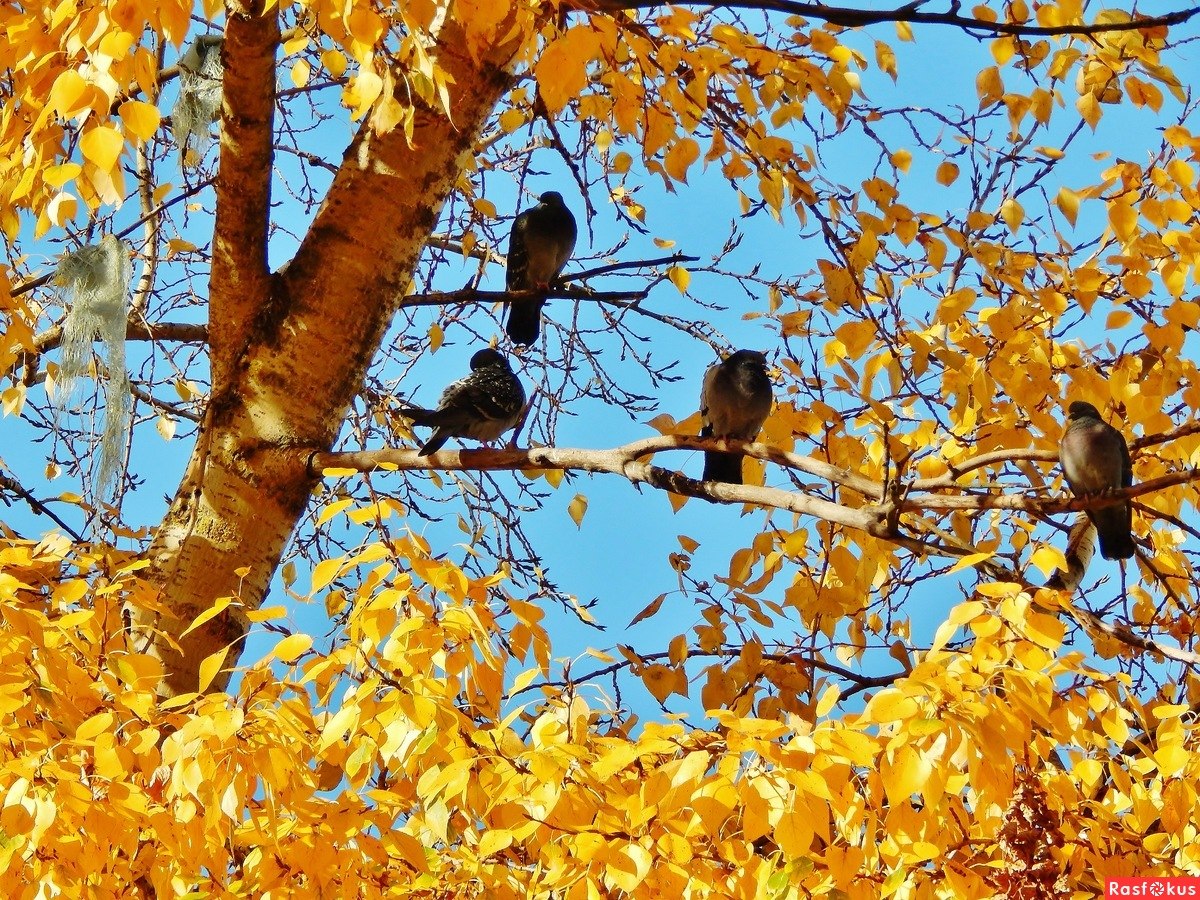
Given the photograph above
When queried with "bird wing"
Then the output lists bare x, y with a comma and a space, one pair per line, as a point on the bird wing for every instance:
706, 391
516, 274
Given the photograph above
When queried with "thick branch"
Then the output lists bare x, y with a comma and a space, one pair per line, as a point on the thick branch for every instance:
239, 283
623, 461
910, 13
626, 461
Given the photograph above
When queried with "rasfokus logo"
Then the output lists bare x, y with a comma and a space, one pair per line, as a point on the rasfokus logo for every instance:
1152, 887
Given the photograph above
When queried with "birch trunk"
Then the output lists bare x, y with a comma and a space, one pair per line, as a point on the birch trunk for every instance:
290, 349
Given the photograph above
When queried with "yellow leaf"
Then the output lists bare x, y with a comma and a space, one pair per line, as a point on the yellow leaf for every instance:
989, 86
493, 842
140, 118
828, 701
326, 570
659, 681
102, 146
1068, 204
1049, 558
902, 159
96, 725
561, 71
1117, 319
1089, 108
906, 774
885, 58
216, 609
523, 680
66, 93
1003, 50
794, 833
1171, 759
332, 510
1044, 630
1012, 213
210, 667
890, 705
680, 277
680, 157
969, 561
334, 62
266, 613
301, 72
947, 173
577, 508
649, 610
57, 176
62, 209
1123, 218
291, 647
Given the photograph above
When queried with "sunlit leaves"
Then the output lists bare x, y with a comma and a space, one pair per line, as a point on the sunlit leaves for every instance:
140, 118
627, 813
562, 69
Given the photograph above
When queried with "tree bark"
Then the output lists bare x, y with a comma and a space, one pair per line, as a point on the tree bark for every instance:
290, 349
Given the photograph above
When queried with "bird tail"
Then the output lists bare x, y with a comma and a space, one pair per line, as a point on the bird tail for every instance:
1113, 530
524, 321
418, 415
430, 418
434, 444
726, 467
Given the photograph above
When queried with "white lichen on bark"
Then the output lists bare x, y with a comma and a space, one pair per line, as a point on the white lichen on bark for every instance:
199, 103
95, 281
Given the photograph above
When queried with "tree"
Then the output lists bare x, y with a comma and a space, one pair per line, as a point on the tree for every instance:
1039, 737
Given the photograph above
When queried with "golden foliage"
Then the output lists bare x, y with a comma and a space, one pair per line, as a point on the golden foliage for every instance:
392, 762
428, 748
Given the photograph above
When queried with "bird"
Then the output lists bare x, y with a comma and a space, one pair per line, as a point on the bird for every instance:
1095, 459
734, 402
483, 405
542, 240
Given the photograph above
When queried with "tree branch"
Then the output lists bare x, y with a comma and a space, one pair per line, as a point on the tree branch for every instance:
181, 332
240, 279
625, 460
909, 12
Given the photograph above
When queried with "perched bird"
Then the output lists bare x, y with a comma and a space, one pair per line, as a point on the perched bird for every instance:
1095, 459
541, 242
482, 406
734, 403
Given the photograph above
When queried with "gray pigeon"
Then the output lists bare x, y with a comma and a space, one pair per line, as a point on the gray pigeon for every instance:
1095, 459
482, 406
542, 240
734, 403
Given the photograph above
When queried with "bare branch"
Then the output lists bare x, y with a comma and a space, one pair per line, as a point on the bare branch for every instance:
910, 12
180, 332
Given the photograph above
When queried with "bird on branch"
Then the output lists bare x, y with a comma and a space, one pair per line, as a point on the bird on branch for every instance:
483, 405
542, 240
1095, 459
734, 402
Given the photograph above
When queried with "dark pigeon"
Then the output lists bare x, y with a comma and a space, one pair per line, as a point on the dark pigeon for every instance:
483, 406
1095, 459
542, 240
734, 403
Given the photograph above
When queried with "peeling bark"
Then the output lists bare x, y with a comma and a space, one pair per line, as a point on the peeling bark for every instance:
290, 350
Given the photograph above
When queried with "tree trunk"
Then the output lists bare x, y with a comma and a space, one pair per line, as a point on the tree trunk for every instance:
290, 349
